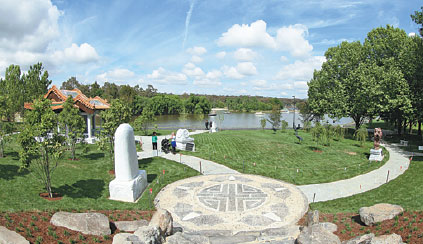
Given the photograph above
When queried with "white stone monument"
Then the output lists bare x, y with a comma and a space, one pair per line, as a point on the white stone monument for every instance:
182, 138
376, 155
130, 182
213, 128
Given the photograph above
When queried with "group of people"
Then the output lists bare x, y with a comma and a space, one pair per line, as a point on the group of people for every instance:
209, 124
172, 141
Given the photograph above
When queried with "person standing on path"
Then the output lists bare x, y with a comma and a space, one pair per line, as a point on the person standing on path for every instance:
173, 142
207, 124
154, 141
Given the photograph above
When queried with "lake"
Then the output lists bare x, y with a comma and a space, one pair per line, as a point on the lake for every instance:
232, 121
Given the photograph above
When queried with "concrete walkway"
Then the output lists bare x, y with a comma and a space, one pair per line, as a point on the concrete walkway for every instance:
397, 164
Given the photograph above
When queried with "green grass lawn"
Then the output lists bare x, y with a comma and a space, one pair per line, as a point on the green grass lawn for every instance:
84, 184
280, 155
406, 190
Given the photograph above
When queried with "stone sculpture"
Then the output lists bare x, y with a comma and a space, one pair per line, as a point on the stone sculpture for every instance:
130, 182
182, 139
376, 152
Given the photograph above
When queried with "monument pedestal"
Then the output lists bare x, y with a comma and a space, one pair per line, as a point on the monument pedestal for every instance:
128, 191
376, 155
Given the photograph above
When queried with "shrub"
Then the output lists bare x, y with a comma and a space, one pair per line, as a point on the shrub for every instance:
361, 135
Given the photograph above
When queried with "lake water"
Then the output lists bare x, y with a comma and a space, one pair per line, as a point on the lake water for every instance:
232, 121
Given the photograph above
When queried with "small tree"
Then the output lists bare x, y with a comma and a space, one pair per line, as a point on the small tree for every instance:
339, 132
284, 125
118, 113
317, 132
275, 118
263, 123
43, 153
361, 135
144, 121
5, 128
73, 124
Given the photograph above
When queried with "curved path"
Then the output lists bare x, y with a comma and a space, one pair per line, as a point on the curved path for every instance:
397, 164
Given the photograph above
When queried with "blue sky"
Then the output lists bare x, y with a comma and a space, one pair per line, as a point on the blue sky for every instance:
223, 47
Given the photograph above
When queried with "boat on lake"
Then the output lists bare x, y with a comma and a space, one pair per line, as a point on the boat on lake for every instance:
260, 113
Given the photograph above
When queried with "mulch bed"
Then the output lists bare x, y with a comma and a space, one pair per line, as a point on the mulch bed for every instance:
408, 225
36, 227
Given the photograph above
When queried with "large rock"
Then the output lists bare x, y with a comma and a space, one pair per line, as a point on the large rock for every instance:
379, 213
149, 235
387, 239
126, 238
163, 220
182, 238
130, 225
312, 217
11, 237
365, 239
87, 223
317, 234
331, 227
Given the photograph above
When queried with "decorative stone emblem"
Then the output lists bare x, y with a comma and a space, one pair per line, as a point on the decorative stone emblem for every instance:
231, 197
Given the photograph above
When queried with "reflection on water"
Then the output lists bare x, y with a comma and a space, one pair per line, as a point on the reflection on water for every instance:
232, 120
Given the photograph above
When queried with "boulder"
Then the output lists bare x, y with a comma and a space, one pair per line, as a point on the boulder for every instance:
182, 238
130, 225
364, 239
312, 217
163, 220
87, 223
126, 238
331, 227
387, 239
149, 235
379, 213
317, 234
10, 237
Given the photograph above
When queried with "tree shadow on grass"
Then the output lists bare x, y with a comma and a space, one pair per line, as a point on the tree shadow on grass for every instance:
13, 154
94, 156
92, 188
314, 148
142, 164
10, 172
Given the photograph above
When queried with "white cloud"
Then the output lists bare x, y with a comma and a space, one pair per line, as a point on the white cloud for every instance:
247, 36
301, 85
292, 39
198, 51
246, 68
212, 78
284, 59
116, 75
300, 70
214, 74
288, 38
84, 53
244, 54
196, 59
163, 76
232, 73
191, 70
220, 55
259, 83
412, 34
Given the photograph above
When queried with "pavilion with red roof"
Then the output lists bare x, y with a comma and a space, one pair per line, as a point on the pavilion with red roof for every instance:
88, 106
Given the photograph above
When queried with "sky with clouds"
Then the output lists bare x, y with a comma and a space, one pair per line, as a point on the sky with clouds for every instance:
223, 47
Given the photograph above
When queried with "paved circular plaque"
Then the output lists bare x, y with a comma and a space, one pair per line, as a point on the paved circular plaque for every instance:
232, 202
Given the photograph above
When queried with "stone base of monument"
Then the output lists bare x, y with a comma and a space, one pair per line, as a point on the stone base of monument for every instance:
376, 155
187, 146
128, 191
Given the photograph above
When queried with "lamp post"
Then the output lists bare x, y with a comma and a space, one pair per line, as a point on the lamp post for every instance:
293, 120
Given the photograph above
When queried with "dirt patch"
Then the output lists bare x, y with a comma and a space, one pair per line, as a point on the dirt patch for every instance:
409, 226
317, 151
111, 172
36, 227
56, 196
351, 153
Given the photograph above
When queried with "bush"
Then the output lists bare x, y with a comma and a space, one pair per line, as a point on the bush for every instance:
284, 125
361, 135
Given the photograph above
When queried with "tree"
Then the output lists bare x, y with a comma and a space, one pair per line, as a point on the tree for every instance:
417, 17
144, 121
197, 105
12, 88
284, 125
42, 155
5, 127
70, 84
36, 82
118, 113
73, 124
263, 123
275, 118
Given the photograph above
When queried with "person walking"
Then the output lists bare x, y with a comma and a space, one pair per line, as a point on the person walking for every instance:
154, 141
207, 124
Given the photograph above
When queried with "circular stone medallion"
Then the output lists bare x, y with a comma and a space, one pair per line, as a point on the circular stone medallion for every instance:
235, 202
